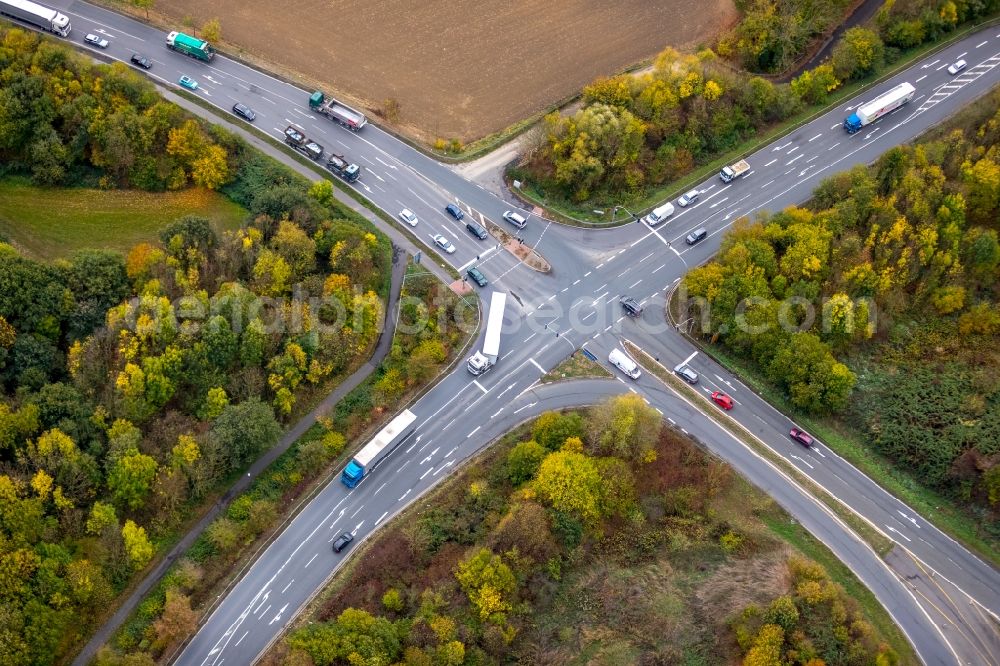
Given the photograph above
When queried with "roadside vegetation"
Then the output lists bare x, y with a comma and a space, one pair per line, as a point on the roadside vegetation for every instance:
877, 306
636, 134
170, 614
135, 386
576, 366
596, 536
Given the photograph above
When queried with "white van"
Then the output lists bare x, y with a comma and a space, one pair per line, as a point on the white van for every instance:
659, 214
621, 360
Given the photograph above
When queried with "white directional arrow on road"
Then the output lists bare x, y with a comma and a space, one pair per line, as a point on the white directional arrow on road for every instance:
802, 460
278, 616
358, 526
909, 518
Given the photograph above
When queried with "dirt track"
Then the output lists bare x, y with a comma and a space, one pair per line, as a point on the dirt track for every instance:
459, 68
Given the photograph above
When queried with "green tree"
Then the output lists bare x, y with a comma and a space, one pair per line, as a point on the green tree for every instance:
489, 584
296, 248
211, 168
211, 30
322, 192
625, 426
813, 85
243, 431
570, 482
102, 516
552, 429
859, 52
130, 478
137, 545
523, 461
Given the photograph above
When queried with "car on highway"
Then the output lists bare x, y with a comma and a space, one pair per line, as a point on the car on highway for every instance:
454, 211
686, 373
722, 400
477, 276
515, 218
957, 67
244, 112
342, 542
631, 306
140, 60
696, 235
801, 436
406, 215
477, 230
188, 82
444, 244
688, 198
95, 40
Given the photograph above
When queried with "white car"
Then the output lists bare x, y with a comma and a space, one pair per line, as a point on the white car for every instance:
406, 215
688, 198
444, 244
96, 40
957, 67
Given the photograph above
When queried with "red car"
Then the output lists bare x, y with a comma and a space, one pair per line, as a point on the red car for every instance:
801, 436
722, 400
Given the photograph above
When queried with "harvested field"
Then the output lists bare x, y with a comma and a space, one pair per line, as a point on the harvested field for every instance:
458, 68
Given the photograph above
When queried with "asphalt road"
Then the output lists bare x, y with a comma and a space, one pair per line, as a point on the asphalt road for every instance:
945, 600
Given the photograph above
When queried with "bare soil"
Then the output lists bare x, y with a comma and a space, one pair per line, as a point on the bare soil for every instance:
458, 68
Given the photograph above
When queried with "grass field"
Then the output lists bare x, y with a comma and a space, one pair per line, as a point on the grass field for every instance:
47, 223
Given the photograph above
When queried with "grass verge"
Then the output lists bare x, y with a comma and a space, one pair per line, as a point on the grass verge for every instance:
575, 366
76, 218
880, 543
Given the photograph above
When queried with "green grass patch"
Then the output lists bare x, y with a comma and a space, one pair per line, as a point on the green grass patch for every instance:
793, 533
576, 366
50, 223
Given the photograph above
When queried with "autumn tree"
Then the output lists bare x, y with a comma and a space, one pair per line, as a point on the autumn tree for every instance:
570, 482
489, 584
624, 426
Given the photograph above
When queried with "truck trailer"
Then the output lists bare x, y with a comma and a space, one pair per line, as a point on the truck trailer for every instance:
734, 171
190, 46
340, 166
385, 442
339, 112
37, 15
295, 137
483, 361
886, 103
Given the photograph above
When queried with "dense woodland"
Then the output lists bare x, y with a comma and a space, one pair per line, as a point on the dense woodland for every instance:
597, 536
637, 132
133, 386
894, 270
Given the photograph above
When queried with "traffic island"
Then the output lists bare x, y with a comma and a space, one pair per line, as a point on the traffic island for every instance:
525, 253
461, 287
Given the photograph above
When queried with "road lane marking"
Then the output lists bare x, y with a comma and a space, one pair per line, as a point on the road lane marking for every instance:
792, 150
519, 409
688, 359
771, 162
815, 137
654, 272
379, 488
535, 363
245, 634
833, 146
381, 518
479, 386
634, 285
307, 565
495, 414
941, 67
473, 432
358, 511
921, 79
429, 470
793, 160
838, 124
286, 587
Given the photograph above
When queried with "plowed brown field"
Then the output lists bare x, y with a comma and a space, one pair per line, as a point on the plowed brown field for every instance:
458, 68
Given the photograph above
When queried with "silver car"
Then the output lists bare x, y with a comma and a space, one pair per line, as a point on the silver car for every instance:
96, 40
688, 198
444, 244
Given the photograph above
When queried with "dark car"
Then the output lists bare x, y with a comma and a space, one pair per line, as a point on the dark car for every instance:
696, 235
801, 436
686, 373
631, 306
244, 112
140, 60
477, 276
454, 211
477, 230
342, 541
